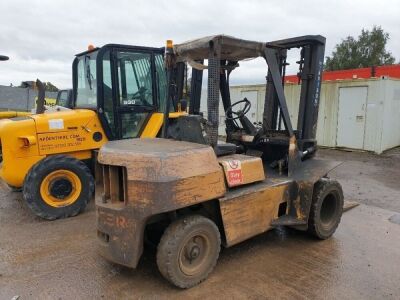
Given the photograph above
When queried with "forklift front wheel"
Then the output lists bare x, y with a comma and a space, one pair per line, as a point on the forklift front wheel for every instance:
58, 187
188, 250
327, 208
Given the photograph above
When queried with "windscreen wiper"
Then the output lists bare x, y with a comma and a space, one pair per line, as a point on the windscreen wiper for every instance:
89, 75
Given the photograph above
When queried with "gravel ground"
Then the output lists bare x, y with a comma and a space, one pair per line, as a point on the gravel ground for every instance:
368, 178
58, 260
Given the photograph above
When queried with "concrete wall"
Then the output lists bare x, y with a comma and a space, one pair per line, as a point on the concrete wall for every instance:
19, 99
382, 121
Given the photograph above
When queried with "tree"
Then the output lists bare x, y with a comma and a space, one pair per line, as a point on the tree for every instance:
366, 51
49, 87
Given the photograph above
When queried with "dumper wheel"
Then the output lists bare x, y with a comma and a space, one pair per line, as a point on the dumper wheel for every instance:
188, 250
15, 189
326, 210
58, 187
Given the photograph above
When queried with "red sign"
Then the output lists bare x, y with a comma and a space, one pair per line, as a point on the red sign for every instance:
234, 173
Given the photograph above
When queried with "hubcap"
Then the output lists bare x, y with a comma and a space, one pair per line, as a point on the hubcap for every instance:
194, 254
60, 188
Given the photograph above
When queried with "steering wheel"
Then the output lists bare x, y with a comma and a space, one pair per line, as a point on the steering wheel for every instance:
239, 113
141, 95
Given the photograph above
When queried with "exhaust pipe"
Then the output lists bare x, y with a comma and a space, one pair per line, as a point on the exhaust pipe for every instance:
41, 95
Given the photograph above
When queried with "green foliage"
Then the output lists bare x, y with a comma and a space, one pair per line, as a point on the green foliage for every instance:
366, 51
49, 87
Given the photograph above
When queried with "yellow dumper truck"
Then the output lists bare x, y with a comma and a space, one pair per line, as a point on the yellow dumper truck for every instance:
119, 92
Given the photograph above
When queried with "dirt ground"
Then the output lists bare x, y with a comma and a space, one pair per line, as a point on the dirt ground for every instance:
368, 178
58, 260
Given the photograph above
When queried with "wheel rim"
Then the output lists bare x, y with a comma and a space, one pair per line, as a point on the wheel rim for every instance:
194, 254
329, 210
60, 188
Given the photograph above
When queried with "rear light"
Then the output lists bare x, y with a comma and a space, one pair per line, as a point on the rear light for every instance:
114, 184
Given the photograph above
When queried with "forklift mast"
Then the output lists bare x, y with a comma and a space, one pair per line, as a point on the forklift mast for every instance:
310, 75
312, 49
277, 141
195, 90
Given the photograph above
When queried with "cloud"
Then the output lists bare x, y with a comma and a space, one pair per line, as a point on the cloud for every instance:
42, 37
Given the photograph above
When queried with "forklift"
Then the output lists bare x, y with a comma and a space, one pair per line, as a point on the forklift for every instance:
118, 92
198, 192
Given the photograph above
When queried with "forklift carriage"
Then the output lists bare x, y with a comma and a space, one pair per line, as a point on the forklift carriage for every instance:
190, 193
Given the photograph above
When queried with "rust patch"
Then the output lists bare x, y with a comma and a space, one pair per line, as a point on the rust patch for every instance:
247, 214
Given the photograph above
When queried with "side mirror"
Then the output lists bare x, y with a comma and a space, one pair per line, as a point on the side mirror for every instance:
3, 57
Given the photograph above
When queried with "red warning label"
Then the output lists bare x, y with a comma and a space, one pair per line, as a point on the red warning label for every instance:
234, 173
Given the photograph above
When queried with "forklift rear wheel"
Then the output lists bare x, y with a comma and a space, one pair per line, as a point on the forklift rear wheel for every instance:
58, 187
327, 208
188, 250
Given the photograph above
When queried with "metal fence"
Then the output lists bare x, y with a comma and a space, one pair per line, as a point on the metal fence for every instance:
19, 99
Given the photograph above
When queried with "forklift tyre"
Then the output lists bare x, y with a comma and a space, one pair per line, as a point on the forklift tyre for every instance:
326, 209
57, 187
188, 250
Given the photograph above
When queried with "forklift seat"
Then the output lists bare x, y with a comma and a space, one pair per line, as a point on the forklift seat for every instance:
192, 128
225, 149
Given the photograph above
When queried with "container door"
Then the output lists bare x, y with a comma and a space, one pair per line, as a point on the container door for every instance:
252, 97
351, 117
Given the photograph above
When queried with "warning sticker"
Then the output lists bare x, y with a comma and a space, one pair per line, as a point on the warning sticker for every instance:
234, 172
56, 124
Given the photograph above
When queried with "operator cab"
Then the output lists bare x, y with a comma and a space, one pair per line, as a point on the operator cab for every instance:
124, 84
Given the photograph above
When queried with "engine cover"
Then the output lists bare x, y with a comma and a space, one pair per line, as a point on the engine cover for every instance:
241, 169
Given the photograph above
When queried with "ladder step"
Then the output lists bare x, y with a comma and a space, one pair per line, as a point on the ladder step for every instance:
287, 220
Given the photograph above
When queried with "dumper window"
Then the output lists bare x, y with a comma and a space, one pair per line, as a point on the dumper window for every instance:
86, 94
161, 81
134, 78
107, 92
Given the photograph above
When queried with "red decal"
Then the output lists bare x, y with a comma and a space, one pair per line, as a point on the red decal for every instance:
235, 177
234, 173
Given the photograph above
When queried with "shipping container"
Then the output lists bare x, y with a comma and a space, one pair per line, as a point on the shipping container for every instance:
362, 114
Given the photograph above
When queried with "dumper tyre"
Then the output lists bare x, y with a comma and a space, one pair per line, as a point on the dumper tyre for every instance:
15, 189
327, 208
58, 187
188, 250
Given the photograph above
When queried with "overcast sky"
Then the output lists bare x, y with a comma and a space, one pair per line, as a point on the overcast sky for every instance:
42, 37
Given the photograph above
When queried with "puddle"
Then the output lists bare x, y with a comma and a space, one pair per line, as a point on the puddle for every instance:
395, 219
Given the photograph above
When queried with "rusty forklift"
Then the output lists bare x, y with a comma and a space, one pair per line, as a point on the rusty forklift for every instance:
200, 193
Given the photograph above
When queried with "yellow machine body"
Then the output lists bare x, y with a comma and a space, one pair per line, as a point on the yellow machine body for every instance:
26, 140
13, 114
